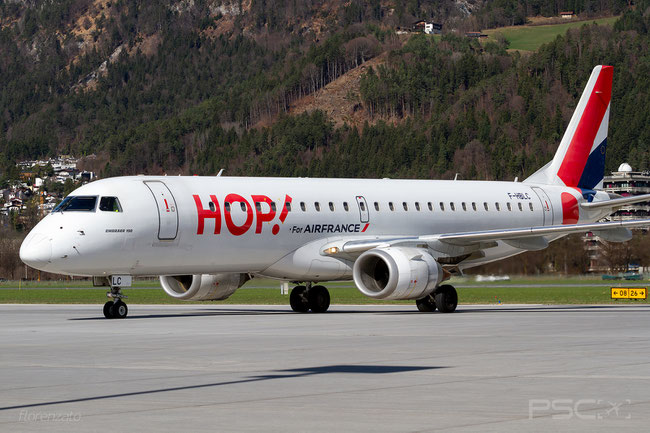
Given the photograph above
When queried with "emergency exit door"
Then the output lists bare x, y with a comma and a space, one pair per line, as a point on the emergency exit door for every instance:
167, 211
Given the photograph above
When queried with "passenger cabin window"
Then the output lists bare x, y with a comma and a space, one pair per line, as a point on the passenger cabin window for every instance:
377, 206
464, 206
258, 206
530, 205
112, 204
442, 206
509, 206
211, 206
405, 206
332, 206
317, 206
496, 205
417, 206
362, 205
390, 206
345, 206
302, 206
242, 205
226, 206
452, 206
79, 203
474, 206
520, 207
485, 205
287, 205
430, 206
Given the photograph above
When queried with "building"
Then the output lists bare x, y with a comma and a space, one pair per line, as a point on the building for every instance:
624, 182
428, 28
567, 15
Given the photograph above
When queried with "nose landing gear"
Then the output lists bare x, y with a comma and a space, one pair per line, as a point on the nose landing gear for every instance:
117, 308
305, 298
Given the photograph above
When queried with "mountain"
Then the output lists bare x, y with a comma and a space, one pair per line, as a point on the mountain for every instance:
309, 88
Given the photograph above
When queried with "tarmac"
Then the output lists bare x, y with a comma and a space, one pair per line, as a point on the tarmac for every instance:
505, 368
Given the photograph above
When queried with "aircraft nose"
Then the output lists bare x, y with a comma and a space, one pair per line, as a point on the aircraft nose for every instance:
36, 251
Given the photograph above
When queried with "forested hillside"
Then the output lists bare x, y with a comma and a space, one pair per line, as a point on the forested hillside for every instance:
195, 86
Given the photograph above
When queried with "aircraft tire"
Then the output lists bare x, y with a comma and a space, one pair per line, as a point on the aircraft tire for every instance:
446, 298
119, 310
319, 299
426, 304
107, 309
298, 299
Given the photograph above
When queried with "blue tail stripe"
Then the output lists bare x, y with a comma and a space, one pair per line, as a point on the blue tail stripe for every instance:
594, 168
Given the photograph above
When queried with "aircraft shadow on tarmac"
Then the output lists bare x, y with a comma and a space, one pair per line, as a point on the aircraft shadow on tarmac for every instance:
407, 310
291, 373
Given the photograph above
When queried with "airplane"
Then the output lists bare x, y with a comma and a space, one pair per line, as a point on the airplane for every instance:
205, 236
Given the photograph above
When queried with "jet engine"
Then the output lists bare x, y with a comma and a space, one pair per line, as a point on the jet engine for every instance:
396, 273
206, 287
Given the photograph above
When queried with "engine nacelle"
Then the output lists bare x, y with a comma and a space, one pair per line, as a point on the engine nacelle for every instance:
206, 287
396, 273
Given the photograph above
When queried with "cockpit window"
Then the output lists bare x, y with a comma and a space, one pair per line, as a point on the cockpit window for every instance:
112, 204
79, 203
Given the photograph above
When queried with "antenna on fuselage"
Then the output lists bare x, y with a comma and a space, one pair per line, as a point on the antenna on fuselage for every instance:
220, 172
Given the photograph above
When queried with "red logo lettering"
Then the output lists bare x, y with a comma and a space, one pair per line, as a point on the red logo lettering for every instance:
265, 211
283, 214
208, 213
232, 228
261, 216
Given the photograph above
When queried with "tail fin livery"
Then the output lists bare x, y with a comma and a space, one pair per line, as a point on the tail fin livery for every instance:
580, 158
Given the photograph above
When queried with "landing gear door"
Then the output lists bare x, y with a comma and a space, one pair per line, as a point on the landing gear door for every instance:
167, 210
364, 214
547, 206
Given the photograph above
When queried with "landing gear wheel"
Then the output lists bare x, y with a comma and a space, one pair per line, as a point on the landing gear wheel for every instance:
426, 304
446, 298
119, 310
319, 299
298, 299
107, 309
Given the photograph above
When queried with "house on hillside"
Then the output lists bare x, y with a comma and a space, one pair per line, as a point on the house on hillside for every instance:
567, 15
475, 35
428, 28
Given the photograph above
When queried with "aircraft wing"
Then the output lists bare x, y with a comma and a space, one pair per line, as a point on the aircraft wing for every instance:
531, 238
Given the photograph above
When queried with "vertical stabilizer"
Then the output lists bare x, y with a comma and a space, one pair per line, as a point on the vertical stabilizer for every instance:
580, 158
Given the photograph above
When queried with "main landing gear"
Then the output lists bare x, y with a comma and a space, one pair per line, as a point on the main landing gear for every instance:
115, 309
305, 298
444, 298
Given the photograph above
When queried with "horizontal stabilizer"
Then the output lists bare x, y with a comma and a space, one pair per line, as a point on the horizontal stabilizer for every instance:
615, 202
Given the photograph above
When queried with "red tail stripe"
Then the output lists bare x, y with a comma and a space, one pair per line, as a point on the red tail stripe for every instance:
577, 154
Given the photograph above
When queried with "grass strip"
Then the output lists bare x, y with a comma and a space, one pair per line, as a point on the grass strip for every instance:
531, 37
340, 295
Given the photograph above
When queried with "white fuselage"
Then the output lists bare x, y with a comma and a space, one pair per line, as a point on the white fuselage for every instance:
158, 230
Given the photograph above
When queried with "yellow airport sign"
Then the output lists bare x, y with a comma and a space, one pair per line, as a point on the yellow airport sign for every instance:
629, 293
